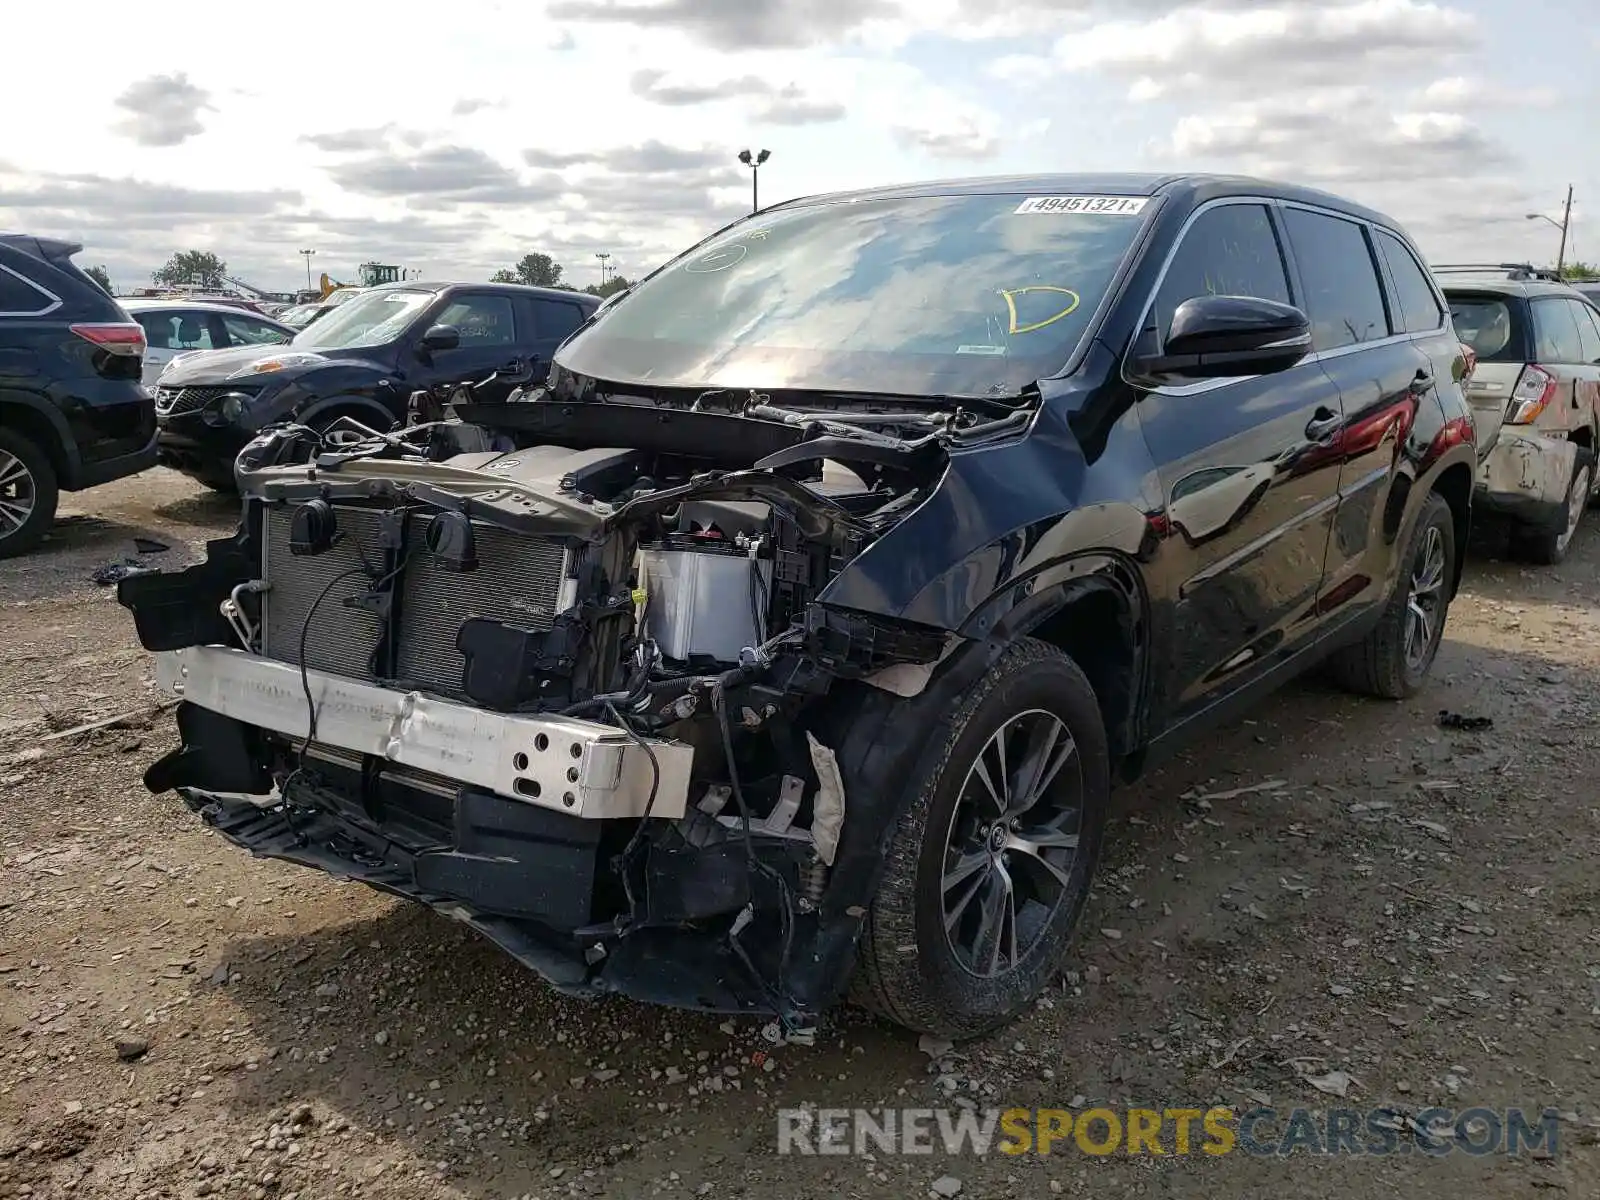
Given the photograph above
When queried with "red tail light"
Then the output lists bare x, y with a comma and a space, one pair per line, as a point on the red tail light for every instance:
122, 337
1536, 387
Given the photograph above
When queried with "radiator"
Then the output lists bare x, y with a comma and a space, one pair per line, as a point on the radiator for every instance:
518, 580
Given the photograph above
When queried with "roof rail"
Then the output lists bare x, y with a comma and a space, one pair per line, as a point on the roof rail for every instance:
1519, 271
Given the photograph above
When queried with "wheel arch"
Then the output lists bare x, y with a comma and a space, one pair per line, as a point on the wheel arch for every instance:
1094, 608
362, 408
880, 739
1454, 487
44, 425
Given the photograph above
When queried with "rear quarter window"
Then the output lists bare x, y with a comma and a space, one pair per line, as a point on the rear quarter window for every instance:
1492, 325
1418, 306
20, 296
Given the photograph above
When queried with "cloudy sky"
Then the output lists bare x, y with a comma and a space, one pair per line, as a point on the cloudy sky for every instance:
454, 138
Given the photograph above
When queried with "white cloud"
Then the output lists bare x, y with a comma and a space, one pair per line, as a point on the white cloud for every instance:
164, 110
1479, 93
515, 128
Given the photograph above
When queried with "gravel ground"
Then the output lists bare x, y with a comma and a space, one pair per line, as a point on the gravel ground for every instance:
1399, 910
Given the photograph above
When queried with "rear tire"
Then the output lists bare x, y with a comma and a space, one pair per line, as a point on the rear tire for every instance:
29, 492
1392, 662
1548, 547
989, 869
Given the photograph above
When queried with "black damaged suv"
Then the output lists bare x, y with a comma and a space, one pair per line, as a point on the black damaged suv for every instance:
72, 411
789, 640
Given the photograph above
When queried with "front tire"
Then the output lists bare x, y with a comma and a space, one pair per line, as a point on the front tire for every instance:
224, 485
29, 492
1392, 662
989, 869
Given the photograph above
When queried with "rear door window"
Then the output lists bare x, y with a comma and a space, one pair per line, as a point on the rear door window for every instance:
1343, 297
20, 297
1419, 310
556, 319
1230, 250
1555, 332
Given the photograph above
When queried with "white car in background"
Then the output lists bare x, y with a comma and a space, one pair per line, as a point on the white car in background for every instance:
174, 327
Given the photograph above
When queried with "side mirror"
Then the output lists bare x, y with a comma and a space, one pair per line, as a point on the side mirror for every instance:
1221, 337
441, 337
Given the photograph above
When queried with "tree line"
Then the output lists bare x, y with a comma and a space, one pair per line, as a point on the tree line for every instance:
202, 268
540, 270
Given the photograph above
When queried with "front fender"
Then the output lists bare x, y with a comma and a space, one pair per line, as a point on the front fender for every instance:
998, 516
348, 384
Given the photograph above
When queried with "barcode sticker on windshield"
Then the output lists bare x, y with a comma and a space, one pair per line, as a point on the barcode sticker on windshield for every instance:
1116, 206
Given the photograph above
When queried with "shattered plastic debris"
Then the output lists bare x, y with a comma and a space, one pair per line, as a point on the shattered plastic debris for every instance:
111, 573
1334, 1083
773, 1033
1270, 785
150, 546
1453, 720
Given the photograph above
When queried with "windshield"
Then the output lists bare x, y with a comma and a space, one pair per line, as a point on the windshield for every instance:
372, 319
946, 295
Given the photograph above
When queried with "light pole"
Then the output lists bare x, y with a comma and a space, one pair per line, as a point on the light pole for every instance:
754, 161
605, 257
307, 255
1564, 224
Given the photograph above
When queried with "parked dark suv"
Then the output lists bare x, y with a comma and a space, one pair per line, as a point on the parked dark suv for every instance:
72, 411
791, 639
362, 360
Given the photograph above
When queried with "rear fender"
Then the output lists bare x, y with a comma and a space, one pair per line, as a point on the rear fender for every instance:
63, 447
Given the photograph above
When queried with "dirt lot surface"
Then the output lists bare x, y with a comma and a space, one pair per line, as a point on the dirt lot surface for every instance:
1404, 911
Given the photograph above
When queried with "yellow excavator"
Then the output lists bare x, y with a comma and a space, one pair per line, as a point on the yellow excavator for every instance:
372, 274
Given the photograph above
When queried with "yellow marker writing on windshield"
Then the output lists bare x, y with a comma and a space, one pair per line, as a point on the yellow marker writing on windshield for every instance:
1010, 295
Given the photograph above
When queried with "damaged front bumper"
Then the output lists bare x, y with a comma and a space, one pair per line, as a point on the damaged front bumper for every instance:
1526, 477
576, 767
509, 824
505, 871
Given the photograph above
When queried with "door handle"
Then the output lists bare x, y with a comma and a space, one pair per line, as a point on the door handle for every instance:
1323, 425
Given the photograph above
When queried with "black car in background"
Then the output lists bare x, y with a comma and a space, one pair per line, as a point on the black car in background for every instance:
362, 360
72, 411
791, 638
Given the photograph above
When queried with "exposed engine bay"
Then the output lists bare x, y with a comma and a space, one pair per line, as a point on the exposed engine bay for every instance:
568, 673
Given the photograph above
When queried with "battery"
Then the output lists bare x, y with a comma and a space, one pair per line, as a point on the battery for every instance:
698, 604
